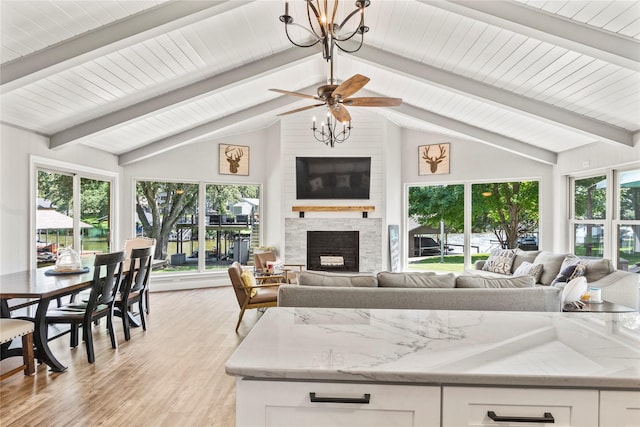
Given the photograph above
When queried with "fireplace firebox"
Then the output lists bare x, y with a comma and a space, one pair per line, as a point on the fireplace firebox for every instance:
333, 250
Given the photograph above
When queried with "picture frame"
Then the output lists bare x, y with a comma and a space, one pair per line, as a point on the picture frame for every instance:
433, 159
233, 159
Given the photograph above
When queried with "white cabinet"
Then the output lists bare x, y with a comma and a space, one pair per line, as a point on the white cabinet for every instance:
311, 404
620, 409
486, 406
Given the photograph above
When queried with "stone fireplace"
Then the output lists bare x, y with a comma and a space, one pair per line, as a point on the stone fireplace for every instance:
333, 250
369, 241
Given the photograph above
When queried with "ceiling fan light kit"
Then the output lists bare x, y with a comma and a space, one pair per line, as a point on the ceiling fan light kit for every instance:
324, 30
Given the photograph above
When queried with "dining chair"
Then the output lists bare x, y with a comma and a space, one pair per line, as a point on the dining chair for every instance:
248, 293
133, 288
11, 329
107, 275
137, 243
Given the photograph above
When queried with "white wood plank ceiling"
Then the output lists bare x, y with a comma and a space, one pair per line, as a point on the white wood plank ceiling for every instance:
136, 78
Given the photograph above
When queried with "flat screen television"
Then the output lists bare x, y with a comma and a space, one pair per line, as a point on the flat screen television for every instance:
333, 177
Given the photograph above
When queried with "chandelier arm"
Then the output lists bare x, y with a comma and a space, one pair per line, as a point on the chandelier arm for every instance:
317, 15
354, 50
286, 30
345, 20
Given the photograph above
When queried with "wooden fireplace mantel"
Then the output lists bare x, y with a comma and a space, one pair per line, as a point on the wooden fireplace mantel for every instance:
303, 209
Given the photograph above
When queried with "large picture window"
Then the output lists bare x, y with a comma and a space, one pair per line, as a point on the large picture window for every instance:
501, 214
191, 237
73, 210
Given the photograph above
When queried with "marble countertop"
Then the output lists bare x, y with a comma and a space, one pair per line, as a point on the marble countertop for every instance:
594, 350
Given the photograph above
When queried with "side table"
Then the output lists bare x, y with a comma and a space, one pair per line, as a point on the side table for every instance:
602, 307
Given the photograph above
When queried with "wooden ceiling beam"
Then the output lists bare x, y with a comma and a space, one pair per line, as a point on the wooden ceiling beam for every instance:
547, 27
208, 130
109, 38
192, 91
502, 98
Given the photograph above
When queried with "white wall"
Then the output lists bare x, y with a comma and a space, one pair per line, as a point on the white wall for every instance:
16, 211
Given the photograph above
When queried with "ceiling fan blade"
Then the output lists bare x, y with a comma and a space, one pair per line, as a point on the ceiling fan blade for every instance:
372, 101
308, 107
350, 86
340, 113
301, 95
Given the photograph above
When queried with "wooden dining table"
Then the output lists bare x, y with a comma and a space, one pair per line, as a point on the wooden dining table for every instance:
41, 289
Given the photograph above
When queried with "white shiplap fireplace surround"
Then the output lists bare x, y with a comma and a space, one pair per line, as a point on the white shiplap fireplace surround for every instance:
370, 238
370, 138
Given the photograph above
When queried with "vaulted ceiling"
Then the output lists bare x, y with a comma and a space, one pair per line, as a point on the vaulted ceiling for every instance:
138, 78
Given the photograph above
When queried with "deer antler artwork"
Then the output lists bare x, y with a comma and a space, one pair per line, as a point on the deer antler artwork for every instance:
235, 156
435, 160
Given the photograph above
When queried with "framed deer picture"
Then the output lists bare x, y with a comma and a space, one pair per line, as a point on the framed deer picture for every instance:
433, 159
234, 159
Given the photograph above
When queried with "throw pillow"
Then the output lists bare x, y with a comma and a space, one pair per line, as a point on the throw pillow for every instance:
569, 273
427, 279
248, 280
528, 268
473, 281
522, 256
500, 261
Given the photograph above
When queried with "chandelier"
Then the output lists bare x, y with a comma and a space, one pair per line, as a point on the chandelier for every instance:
323, 29
333, 134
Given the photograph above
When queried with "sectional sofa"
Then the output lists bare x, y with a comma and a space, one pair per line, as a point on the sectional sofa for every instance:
475, 289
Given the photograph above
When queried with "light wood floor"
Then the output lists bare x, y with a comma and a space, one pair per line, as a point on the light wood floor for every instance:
171, 375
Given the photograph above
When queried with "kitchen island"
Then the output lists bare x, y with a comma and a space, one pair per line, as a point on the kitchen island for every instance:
304, 366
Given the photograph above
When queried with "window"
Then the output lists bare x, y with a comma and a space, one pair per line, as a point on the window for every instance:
501, 214
605, 217
628, 224
170, 213
73, 210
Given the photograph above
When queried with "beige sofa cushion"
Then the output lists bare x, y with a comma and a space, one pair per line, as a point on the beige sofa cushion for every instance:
475, 281
427, 279
323, 278
523, 256
552, 264
596, 269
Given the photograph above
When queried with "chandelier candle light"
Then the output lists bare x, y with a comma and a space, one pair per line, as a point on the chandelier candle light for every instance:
331, 137
323, 28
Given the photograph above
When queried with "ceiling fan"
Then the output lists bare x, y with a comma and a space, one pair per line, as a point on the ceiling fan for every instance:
337, 97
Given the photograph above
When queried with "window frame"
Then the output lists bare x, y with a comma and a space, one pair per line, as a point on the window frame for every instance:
612, 221
202, 198
77, 172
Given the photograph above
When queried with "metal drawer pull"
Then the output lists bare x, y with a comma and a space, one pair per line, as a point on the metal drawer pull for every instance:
362, 400
547, 418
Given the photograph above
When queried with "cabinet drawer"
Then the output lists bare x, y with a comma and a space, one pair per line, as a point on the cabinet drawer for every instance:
279, 403
474, 406
620, 409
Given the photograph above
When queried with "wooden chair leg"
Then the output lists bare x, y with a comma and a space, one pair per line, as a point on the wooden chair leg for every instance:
146, 301
126, 327
142, 315
27, 354
88, 342
240, 318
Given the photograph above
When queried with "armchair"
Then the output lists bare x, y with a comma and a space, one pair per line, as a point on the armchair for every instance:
251, 295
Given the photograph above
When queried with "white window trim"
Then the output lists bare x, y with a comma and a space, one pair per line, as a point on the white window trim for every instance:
77, 171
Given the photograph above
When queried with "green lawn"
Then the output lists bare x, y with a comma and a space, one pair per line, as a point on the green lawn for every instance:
452, 263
